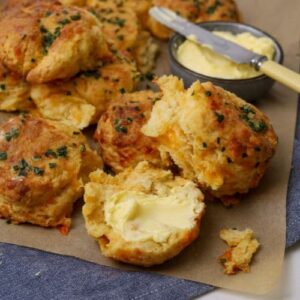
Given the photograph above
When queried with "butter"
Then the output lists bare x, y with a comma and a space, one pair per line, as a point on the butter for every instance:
202, 59
137, 216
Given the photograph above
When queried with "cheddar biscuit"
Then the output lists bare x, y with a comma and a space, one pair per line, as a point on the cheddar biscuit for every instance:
217, 139
43, 168
195, 11
44, 41
122, 30
143, 216
118, 133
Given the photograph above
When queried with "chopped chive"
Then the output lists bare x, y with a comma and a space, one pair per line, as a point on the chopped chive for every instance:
3, 155
51, 153
220, 117
62, 151
38, 171
52, 165
12, 134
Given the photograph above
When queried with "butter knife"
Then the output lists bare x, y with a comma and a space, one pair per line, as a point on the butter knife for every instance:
227, 48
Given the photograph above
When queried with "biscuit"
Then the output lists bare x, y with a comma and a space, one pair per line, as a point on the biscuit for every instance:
217, 139
80, 101
242, 247
122, 30
118, 132
44, 41
194, 11
143, 216
43, 168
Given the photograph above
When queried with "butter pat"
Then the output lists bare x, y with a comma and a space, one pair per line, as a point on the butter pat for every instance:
202, 59
137, 216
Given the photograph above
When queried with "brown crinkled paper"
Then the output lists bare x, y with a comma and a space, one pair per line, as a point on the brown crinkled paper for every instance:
263, 210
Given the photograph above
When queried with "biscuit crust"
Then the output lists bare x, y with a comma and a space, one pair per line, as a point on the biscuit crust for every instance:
44, 41
118, 133
44, 165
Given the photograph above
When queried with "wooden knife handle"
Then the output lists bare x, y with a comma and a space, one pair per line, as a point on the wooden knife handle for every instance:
281, 74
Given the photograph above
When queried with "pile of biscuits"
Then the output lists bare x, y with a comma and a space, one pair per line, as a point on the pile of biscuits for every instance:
69, 64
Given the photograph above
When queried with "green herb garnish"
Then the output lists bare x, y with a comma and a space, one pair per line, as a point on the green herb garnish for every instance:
220, 117
76, 17
122, 91
64, 22
51, 153
12, 134
36, 158
117, 21
82, 148
91, 73
3, 155
62, 151
38, 171
52, 165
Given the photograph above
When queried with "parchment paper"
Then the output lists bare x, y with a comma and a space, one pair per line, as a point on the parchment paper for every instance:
263, 209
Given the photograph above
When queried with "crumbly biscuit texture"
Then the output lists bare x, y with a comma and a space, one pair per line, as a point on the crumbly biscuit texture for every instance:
108, 200
81, 100
242, 247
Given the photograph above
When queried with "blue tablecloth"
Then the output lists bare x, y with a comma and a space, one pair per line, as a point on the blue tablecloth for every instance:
31, 274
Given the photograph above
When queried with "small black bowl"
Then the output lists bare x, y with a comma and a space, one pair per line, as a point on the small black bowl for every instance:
248, 89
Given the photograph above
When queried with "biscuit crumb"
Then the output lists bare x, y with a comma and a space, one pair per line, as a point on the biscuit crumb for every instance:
242, 246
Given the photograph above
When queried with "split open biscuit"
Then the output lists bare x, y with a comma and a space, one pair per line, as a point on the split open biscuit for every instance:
217, 139
143, 216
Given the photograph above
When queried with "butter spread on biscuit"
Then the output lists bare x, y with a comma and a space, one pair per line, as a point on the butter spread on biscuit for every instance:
137, 216
202, 59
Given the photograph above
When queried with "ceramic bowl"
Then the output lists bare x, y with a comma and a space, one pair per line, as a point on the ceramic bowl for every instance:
248, 89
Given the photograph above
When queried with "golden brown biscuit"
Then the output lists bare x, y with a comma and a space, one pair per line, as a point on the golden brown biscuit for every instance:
14, 92
142, 216
242, 247
214, 137
122, 30
118, 133
195, 11
44, 41
80, 101
43, 167
73, 2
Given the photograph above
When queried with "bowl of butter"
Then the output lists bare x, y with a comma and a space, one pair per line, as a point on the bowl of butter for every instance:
192, 61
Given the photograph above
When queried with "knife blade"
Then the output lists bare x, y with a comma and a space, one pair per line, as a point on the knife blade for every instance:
220, 45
